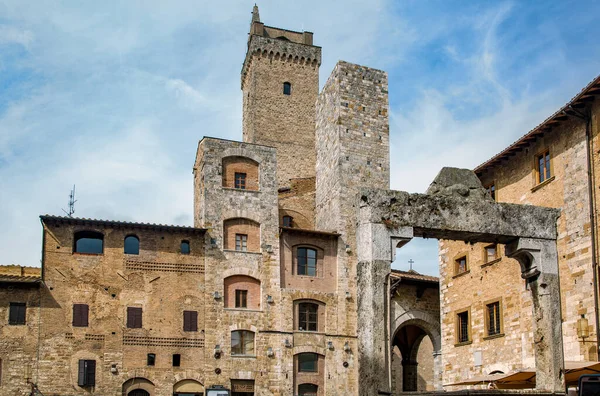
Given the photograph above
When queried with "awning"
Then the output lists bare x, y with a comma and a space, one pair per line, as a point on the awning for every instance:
524, 379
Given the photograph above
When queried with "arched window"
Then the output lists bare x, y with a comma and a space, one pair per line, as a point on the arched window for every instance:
89, 242
185, 247
242, 342
308, 363
308, 390
308, 316
307, 261
287, 88
132, 245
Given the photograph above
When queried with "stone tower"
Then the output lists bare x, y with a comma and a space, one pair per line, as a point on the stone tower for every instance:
280, 84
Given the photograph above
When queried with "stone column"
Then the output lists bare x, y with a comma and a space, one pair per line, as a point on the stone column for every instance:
409, 375
539, 267
375, 254
438, 371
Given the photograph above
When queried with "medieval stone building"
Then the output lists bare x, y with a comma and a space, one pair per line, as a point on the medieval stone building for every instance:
486, 318
260, 296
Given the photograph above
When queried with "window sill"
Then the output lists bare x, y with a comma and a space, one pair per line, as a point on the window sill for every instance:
463, 343
309, 332
87, 254
242, 310
499, 335
542, 184
240, 251
491, 262
461, 274
241, 190
244, 356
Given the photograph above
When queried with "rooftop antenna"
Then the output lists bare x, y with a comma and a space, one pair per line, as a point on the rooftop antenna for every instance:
72, 201
411, 262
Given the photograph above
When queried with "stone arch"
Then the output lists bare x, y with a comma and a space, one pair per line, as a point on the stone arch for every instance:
424, 320
249, 286
252, 273
308, 348
241, 226
136, 383
188, 386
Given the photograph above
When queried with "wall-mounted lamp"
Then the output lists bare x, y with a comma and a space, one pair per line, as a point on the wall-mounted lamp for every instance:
217, 295
269, 249
213, 242
346, 347
218, 351
113, 368
330, 345
348, 250
348, 295
287, 343
583, 330
270, 299
270, 352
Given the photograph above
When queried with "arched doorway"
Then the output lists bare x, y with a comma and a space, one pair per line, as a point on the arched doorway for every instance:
412, 359
138, 392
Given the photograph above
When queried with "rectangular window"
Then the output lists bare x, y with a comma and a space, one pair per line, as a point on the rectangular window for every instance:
461, 265
16, 314
87, 373
493, 318
190, 321
151, 359
176, 360
307, 316
462, 327
241, 242
134, 318
491, 253
80, 315
242, 342
307, 261
241, 298
308, 362
240, 181
491, 189
543, 166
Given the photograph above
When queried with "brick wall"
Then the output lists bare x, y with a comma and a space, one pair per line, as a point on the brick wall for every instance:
240, 282
233, 165
233, 227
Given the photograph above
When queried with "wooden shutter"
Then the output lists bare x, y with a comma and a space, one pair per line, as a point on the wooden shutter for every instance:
16, 315
81, 373
80, 315
134, 318
190, 321
90, 372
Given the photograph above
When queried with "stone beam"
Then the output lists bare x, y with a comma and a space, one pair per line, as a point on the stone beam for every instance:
457, 218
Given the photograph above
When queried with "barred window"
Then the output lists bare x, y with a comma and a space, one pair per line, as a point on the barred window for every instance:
493, 317
463, 326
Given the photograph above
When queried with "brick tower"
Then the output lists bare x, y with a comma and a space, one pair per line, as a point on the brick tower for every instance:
280, 84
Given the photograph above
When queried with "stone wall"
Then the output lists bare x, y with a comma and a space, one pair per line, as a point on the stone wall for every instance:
298, 201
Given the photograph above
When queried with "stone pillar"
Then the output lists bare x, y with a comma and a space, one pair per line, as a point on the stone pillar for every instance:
409, 375
375, 254
539, 267
438, 371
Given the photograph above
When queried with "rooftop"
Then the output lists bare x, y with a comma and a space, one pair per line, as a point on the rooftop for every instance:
118, 224
414, 276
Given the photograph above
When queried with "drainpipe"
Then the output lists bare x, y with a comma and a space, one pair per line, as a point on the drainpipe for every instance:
388, 343
588, 140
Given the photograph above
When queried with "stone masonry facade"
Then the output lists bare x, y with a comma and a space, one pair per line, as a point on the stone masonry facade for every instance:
514, 175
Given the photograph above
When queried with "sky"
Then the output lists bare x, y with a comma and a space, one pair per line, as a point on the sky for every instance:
114, 96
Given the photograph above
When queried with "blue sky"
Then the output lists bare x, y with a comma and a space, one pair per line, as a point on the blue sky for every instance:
113, 96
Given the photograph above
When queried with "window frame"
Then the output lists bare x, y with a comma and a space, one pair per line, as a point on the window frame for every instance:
486, 258
86, 374
243, 242
243, 342
136, 250
241, 297
88, 234
548, 169
287, 221
307, 265
299, 368
176, 360
492, 190
307, 320
81, 315
498, 318
458, 327
457, 259
239, 180
151, 359
15, 319
287, 88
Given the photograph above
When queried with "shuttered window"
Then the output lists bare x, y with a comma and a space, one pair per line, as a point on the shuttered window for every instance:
80, 315
87, 373
16, 314
190, 321
134, 318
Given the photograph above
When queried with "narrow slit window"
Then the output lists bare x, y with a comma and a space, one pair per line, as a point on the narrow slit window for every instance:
287, 88
543, 166
491, 190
